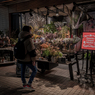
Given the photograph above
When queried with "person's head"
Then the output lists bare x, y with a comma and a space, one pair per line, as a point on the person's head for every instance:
26, 28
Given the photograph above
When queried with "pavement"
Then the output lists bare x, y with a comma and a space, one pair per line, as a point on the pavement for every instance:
53, 82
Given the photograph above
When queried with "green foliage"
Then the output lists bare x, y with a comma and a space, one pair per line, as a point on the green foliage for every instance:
89, 55
64, 30
50, 28
60, 54
46, 53
13, 41
55, 53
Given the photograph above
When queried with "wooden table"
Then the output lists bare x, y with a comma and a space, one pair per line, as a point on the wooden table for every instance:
46, 65
7, 63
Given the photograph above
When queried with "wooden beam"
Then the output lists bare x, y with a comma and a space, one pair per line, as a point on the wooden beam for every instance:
59, 9
6, 1
86, 3
32, 4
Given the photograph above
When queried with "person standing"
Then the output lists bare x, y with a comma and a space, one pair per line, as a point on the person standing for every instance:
30, 57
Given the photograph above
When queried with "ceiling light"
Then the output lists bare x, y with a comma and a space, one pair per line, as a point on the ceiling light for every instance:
57, 14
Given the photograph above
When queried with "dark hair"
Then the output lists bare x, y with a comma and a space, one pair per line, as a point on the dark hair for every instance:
26, 28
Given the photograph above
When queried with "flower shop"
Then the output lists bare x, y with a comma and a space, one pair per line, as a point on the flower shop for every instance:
57, 32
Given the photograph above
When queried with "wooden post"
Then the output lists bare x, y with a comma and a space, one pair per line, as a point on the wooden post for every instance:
70, 31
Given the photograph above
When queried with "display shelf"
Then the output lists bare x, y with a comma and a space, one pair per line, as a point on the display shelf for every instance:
8, 48
7, 63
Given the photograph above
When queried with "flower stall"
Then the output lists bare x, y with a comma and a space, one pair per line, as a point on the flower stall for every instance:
53, 46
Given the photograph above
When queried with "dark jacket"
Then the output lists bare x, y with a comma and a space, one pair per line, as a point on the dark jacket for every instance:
29, 47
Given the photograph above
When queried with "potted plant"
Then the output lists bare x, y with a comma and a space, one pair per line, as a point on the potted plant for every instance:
55, 55
59, 57
46, 53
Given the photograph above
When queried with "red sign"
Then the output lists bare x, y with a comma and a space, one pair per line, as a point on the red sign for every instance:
88, 41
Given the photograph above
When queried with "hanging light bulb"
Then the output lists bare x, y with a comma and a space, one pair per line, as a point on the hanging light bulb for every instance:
57, 14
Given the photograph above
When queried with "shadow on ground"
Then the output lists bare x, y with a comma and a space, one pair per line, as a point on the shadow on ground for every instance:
51, 80
16, 91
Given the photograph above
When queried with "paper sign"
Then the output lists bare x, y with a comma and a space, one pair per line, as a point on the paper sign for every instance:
88, 41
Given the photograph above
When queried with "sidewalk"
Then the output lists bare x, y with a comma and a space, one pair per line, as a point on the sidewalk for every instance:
54, 82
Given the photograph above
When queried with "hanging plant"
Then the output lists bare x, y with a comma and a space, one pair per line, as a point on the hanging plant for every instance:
50, 28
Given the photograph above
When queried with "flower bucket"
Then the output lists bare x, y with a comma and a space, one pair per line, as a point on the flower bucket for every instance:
54, 59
